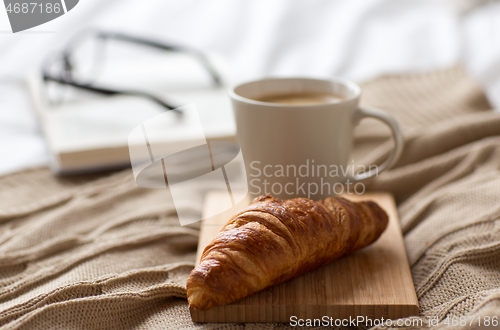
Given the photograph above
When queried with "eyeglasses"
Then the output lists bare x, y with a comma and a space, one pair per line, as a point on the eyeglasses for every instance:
75, 68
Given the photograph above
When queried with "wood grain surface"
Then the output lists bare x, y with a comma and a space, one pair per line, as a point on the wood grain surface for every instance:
374, 282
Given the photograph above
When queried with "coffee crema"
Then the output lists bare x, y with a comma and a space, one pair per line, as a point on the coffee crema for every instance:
302, 99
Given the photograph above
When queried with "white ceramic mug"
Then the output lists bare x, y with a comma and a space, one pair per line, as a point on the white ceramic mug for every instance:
303, 150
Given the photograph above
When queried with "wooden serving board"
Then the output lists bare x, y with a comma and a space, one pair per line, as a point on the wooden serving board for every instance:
374, 282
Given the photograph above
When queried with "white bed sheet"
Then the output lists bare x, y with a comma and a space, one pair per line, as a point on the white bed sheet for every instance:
358, 40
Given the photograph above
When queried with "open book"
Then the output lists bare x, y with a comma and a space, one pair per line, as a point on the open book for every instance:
90, 133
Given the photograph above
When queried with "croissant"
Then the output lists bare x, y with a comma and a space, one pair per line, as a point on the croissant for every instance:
272, 241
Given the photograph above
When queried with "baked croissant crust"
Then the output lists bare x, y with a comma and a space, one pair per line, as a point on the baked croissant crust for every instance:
272, 241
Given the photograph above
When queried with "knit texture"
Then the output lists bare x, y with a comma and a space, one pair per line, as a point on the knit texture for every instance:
100, 252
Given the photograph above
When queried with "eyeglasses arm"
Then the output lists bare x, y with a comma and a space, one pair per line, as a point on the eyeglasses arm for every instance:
107, 91
216, 78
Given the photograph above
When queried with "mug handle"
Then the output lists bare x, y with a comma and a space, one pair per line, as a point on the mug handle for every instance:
364, 112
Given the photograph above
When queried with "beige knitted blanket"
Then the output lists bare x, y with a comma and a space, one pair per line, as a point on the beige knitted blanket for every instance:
99, 252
